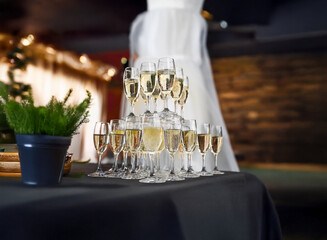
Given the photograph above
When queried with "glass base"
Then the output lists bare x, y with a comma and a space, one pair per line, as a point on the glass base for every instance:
143, 173
162, 174
131, 176
205, 174
190, 175
166, 114
175, 178
123, 169
152, 180
112, 174
131, 114
217, 172
96, 174
147, 113
182, 171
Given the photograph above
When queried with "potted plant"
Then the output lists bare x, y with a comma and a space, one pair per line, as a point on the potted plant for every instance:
43, 134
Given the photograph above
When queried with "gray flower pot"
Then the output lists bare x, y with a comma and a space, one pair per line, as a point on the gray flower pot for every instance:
42, 158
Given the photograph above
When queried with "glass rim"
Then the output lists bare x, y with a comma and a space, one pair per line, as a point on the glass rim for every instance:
166, 58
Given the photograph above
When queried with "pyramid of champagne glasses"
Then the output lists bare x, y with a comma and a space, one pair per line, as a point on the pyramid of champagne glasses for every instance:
151, 139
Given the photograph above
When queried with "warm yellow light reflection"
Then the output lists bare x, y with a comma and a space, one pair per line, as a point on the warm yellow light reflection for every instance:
26, 41
50, 50
123, 60
30, 37
83, 58
111, 72
207, 15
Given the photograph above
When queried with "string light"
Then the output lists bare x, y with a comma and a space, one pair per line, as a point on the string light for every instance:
81, 63
123, 60
111, 72
26, 41
83, 58
223, 24
207, 15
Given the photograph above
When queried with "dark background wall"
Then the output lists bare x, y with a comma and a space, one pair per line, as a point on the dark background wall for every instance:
275, 105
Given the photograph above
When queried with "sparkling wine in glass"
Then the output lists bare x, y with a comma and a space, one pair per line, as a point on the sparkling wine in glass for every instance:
117, 141
189, 137
178, 85
183, 98
100, 140
152, 138
166, 77
133, 135
172, 136
216, 144
143, 96
131, 84
148, 81
204, 139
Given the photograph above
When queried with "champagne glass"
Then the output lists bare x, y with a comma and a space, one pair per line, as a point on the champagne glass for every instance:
117, 141
204, 144
155, 96
131, 84
177, 89
166, 75
172, 136
152, 135
183, 98
133, 135
100, 140
216, 144
189, 141
148, 81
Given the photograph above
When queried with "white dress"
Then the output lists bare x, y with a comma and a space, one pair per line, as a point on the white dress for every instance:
175, 28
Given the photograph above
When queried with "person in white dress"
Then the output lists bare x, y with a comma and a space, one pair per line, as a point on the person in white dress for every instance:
176, 29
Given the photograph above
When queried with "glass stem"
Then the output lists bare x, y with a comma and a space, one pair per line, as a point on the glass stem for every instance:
183, 162
175, 106
143, 164
125, 154
148, 103
147, 161
172, 169
133, 162
203, 163
155, 105
116, 163
166, 102
182, 111
158, 161
132, 107
189, 163
151, 165
216, 161
139, 160
99, 169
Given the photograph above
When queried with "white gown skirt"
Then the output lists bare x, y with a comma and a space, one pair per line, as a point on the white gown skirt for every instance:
182, 36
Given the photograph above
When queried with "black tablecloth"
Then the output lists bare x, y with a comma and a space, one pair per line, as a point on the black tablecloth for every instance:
229, 206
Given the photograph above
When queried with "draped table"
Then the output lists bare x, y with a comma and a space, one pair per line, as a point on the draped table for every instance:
229, 206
